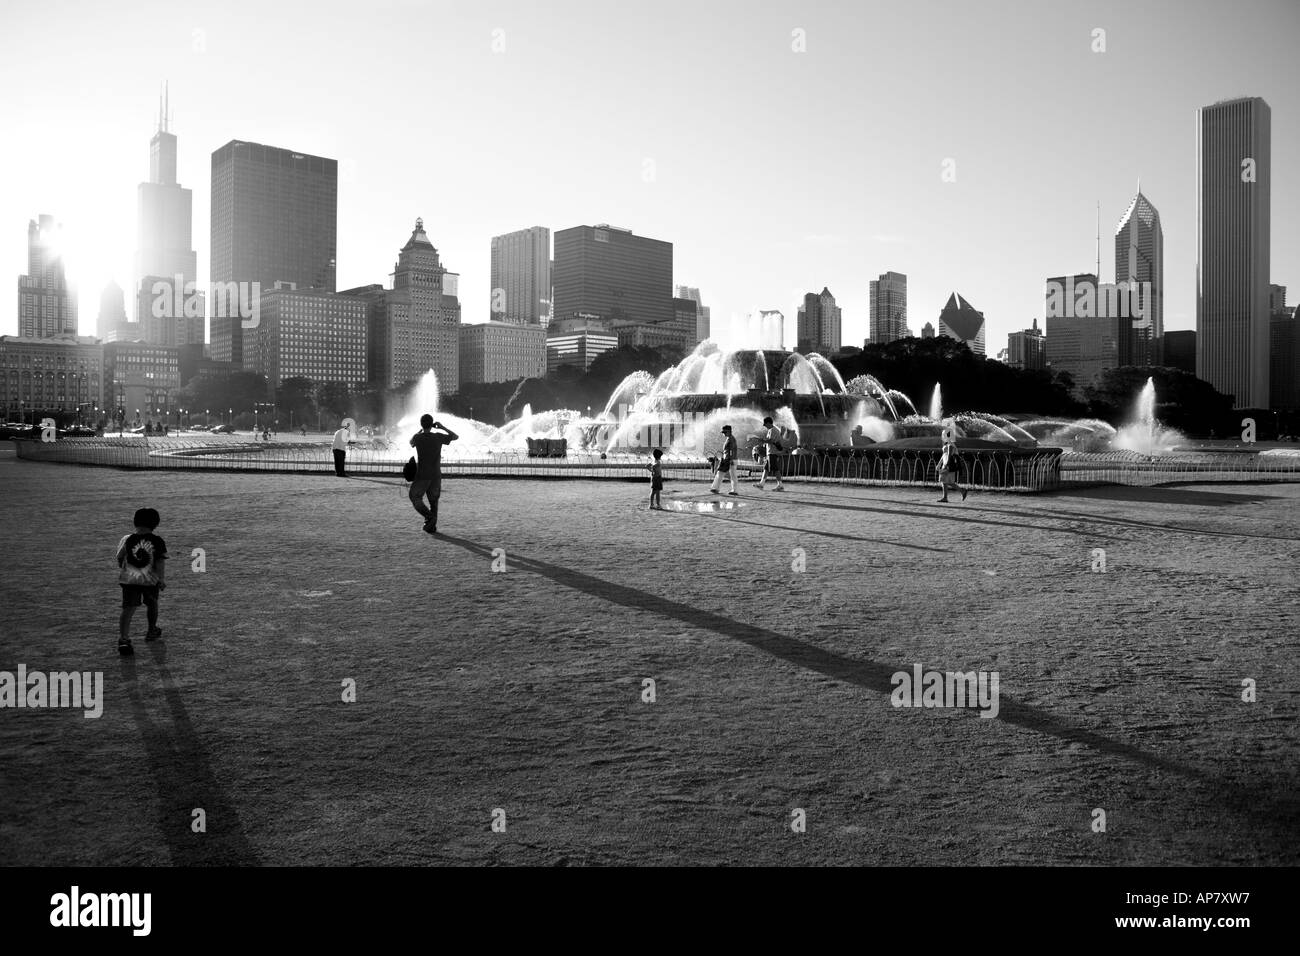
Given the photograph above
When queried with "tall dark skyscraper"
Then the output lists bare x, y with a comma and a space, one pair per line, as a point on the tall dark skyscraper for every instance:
1140, 262
888, 308
165, 220
521, 276
609, 273
47, 305
1233, 184
274, 219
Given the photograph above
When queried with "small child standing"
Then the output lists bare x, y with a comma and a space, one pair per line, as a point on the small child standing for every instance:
141, 556
656, 480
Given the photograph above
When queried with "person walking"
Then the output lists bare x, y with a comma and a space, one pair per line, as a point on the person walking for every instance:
340, 447
948, 461
428, 475
656, 480
726, 463
141, 558
772, 462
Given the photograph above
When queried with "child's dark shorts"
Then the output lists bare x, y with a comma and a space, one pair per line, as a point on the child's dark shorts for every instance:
134, 595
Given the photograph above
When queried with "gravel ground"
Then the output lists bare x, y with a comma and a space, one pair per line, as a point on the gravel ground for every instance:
521, 692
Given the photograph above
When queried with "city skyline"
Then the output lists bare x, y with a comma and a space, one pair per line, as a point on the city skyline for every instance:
846, 218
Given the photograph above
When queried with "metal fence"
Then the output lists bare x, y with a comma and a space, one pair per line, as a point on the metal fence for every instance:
1131, 468
1018, 471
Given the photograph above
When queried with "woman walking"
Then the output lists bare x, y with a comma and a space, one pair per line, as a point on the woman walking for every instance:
948, 461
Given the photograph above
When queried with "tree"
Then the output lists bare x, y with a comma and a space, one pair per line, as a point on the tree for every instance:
294, 397
1183, 401
334, 400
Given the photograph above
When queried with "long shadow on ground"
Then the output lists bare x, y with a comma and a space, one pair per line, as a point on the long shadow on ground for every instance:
184, 778
1280, 817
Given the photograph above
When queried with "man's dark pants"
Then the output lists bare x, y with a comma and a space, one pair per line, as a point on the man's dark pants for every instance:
338, 461
430, 488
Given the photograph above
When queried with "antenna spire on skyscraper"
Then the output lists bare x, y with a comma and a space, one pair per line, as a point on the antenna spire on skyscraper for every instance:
1098, 241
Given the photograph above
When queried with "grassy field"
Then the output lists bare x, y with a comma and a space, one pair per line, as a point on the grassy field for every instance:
522, 690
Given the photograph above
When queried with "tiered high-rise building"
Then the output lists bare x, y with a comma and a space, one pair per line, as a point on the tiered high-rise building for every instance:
47, 305
888, 308
1233, 183
521, 276
274, 219
414, 326
819, 324
1140, 266
168, 309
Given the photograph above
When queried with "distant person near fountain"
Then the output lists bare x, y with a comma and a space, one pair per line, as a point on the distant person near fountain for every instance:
340, 448
772, 459
948, 461
726, 464
656, 480
428, 474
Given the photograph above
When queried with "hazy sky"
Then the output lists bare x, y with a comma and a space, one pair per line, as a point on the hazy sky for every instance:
772, 172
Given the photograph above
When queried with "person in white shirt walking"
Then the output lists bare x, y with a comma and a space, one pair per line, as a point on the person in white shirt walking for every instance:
772, 462
342, 439
726, 463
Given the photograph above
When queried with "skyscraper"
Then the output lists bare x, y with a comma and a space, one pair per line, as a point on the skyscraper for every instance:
415, 326
501, 352
962, 321
521, 276
703, 318
608, 272
1027, 349
888, 308
112, 313
164, 254
1233, 183
1284, 352
1179, 350
308, 333
819, 324
1140, 263
47, 305
1084, 327
274, 219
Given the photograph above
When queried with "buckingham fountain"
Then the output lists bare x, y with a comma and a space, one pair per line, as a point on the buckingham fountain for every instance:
745, 375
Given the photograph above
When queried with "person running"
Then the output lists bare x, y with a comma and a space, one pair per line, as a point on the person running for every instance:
141, 557
656, 480
428, 475
948, 461
772, 461
726, 463
341, 443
